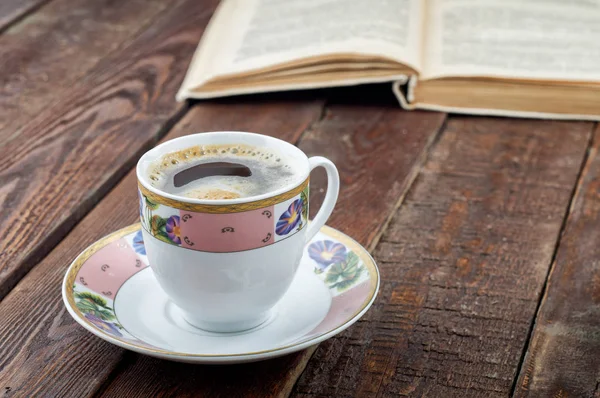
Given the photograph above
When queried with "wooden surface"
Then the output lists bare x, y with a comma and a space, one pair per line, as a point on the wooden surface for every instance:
462, 266
13, 10
563, 359
484, 229
350, 138
42, 359
44, 54
64, 160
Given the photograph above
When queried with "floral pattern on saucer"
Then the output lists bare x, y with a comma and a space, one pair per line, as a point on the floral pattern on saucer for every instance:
107, 266
94, 279
97, 311
325, 253
339, 268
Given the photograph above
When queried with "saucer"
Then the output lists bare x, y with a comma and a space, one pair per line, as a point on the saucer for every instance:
111, 291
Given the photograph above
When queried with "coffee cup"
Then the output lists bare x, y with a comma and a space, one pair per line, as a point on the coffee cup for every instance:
226, 262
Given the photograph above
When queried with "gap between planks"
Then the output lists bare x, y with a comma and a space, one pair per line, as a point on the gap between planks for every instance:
18, 15
97, 75
312, 126
215, 117
102, 191
585, 164
354, 364
414, 173
336, 123
129, 356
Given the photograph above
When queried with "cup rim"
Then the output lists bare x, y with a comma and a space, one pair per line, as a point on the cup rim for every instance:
302, 177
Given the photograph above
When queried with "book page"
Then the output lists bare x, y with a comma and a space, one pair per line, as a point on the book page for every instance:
518, 39
250, 35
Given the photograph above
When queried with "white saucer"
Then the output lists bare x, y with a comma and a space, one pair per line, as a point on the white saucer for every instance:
110, 290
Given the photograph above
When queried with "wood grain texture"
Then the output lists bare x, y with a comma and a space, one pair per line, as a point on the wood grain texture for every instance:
563, 358
43, 351
349, 135
375, 150
12, 11
462, 264
73, 152
43, 55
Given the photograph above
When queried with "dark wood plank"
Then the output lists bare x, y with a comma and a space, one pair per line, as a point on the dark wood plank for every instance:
72, 153
462, 266
44, 54
377, 152
12, 11
563, 358
377, 149
43, 351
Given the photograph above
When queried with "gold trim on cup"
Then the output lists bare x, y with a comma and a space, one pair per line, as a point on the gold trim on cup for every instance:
223, 209
142, 348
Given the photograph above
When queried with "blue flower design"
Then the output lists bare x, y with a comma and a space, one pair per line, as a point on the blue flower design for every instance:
138, 243
290, 218
141, 205
173, 229
327, 252
104, 325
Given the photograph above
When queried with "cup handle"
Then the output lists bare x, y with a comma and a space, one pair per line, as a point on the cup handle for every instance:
333, 188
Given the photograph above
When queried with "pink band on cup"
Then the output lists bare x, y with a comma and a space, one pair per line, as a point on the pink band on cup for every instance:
225, 232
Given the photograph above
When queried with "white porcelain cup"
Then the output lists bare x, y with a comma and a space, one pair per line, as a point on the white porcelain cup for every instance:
226, 263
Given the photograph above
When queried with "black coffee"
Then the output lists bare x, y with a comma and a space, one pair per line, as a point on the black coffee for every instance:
211, 169
221, 172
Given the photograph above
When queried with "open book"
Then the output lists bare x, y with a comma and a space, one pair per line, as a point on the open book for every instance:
534, 58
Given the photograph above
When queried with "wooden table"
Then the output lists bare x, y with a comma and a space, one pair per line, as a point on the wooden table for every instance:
486, 230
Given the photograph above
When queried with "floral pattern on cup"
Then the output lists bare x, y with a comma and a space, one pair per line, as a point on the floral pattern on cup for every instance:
172, 227
95, 309
166, 229
175, 227
304, 197
290, 218
146, 208
141, 204
341, 269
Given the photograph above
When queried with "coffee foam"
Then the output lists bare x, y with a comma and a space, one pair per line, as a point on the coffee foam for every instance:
270, 171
